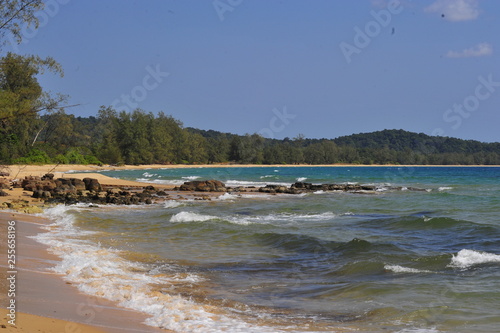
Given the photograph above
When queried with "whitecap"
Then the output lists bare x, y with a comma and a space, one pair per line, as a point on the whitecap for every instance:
190, 217
466, 258
191, 177
234, 183
444, 188
227, 197
401, 269
149, 175
301, 179
156, 181
172, 204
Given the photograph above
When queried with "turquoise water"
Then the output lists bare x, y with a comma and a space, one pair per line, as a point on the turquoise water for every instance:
394, 261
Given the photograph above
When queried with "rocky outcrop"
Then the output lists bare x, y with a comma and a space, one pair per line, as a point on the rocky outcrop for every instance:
203, 186
301, 187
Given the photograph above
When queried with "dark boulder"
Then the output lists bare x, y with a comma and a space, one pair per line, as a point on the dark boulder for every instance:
48, 176
92, 184
203, 186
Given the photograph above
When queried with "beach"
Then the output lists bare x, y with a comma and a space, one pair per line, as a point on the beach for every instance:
44, 301
258, 262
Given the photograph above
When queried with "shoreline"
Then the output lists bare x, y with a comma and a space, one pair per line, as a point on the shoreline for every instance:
21, 171
45, 302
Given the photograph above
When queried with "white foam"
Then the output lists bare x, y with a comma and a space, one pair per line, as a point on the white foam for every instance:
233, 182
467, 258
227, 197
149, 175
280, 218
191, 177
157, 181
190, 217
444, 188
102, 272
172, 204
301, 179
419, 330
256, 196
401, 269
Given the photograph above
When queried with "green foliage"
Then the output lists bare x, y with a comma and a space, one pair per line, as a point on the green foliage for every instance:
35, 156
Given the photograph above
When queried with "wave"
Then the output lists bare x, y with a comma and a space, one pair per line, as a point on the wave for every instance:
172, 204
401, 269
158, 181
149, 175
467, 258
444, 188
191, 217
317, 246
191, 177
102, 272
301, 179
227, 197
279, 218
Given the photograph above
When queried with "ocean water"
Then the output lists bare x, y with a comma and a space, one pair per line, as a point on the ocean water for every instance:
393, 261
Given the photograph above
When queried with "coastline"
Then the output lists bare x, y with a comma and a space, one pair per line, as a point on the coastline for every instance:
20, 171
44, 301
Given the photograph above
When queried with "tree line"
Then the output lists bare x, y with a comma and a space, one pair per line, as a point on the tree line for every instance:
141, 137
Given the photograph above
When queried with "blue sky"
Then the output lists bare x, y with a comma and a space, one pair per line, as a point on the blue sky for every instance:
320, 68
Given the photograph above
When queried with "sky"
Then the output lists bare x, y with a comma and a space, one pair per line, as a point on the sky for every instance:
280, 68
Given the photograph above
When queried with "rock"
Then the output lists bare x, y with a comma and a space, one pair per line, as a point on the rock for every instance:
92, 184
203, 186
3, 193
114, 191
302, 185
48, 176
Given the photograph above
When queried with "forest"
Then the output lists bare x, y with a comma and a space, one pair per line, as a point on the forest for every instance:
35, 129
142, 137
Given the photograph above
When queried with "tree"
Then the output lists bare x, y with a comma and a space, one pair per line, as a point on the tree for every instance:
107, 147
13, 13
21, 98
20, 92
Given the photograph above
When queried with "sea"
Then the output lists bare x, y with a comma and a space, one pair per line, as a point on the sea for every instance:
391, 260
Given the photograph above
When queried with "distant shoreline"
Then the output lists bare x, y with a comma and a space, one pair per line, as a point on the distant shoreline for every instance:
20, 171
